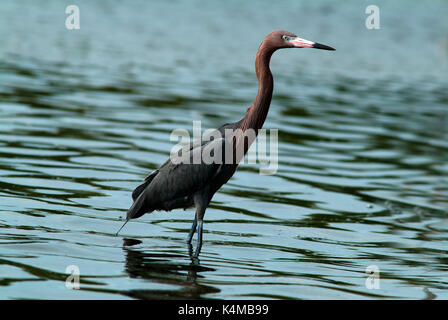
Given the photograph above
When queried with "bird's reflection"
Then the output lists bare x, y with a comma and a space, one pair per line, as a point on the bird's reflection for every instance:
165, 269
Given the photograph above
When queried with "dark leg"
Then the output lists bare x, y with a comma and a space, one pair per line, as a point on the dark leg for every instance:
192, 230
201, 201
199, 244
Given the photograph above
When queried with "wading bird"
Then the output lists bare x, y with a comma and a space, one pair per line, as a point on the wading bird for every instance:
180, 185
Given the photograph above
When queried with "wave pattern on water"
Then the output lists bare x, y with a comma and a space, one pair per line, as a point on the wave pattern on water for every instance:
362, 176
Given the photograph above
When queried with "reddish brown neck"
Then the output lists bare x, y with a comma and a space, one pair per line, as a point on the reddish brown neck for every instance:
256, 114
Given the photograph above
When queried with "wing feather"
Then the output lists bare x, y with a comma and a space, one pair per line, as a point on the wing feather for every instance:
173, 180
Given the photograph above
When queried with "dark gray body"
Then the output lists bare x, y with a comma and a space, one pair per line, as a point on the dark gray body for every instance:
174, 186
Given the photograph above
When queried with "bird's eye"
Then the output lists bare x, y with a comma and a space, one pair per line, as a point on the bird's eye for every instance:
286, 38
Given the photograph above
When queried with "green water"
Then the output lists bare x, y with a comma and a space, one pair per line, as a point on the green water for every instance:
362, 180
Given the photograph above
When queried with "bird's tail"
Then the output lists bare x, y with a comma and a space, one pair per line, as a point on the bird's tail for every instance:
136, 210
122, 227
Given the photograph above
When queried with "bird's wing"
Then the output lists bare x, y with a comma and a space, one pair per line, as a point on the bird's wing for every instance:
142, 187
180, 179
174, 180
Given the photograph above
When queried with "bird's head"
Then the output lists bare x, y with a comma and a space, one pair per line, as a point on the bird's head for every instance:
283, 39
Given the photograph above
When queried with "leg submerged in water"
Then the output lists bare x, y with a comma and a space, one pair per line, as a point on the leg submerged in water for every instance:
201, 201
192, 230
199, 244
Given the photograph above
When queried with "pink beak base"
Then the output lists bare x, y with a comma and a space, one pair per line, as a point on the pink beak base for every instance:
302, 43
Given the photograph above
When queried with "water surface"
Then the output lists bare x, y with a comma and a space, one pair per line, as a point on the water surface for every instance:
363, 150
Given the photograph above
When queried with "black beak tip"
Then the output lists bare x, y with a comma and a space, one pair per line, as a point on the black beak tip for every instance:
322, 46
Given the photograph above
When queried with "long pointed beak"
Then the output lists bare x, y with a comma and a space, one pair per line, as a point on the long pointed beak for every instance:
302, 43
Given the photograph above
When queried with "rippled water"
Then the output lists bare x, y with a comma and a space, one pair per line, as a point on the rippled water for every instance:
363, 150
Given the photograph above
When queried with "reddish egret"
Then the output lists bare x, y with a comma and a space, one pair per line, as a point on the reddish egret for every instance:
180, 185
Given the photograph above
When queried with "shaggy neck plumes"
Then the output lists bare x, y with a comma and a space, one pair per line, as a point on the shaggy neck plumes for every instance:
256, 114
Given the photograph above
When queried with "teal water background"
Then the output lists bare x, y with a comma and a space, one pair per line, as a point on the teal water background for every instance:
363, 149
